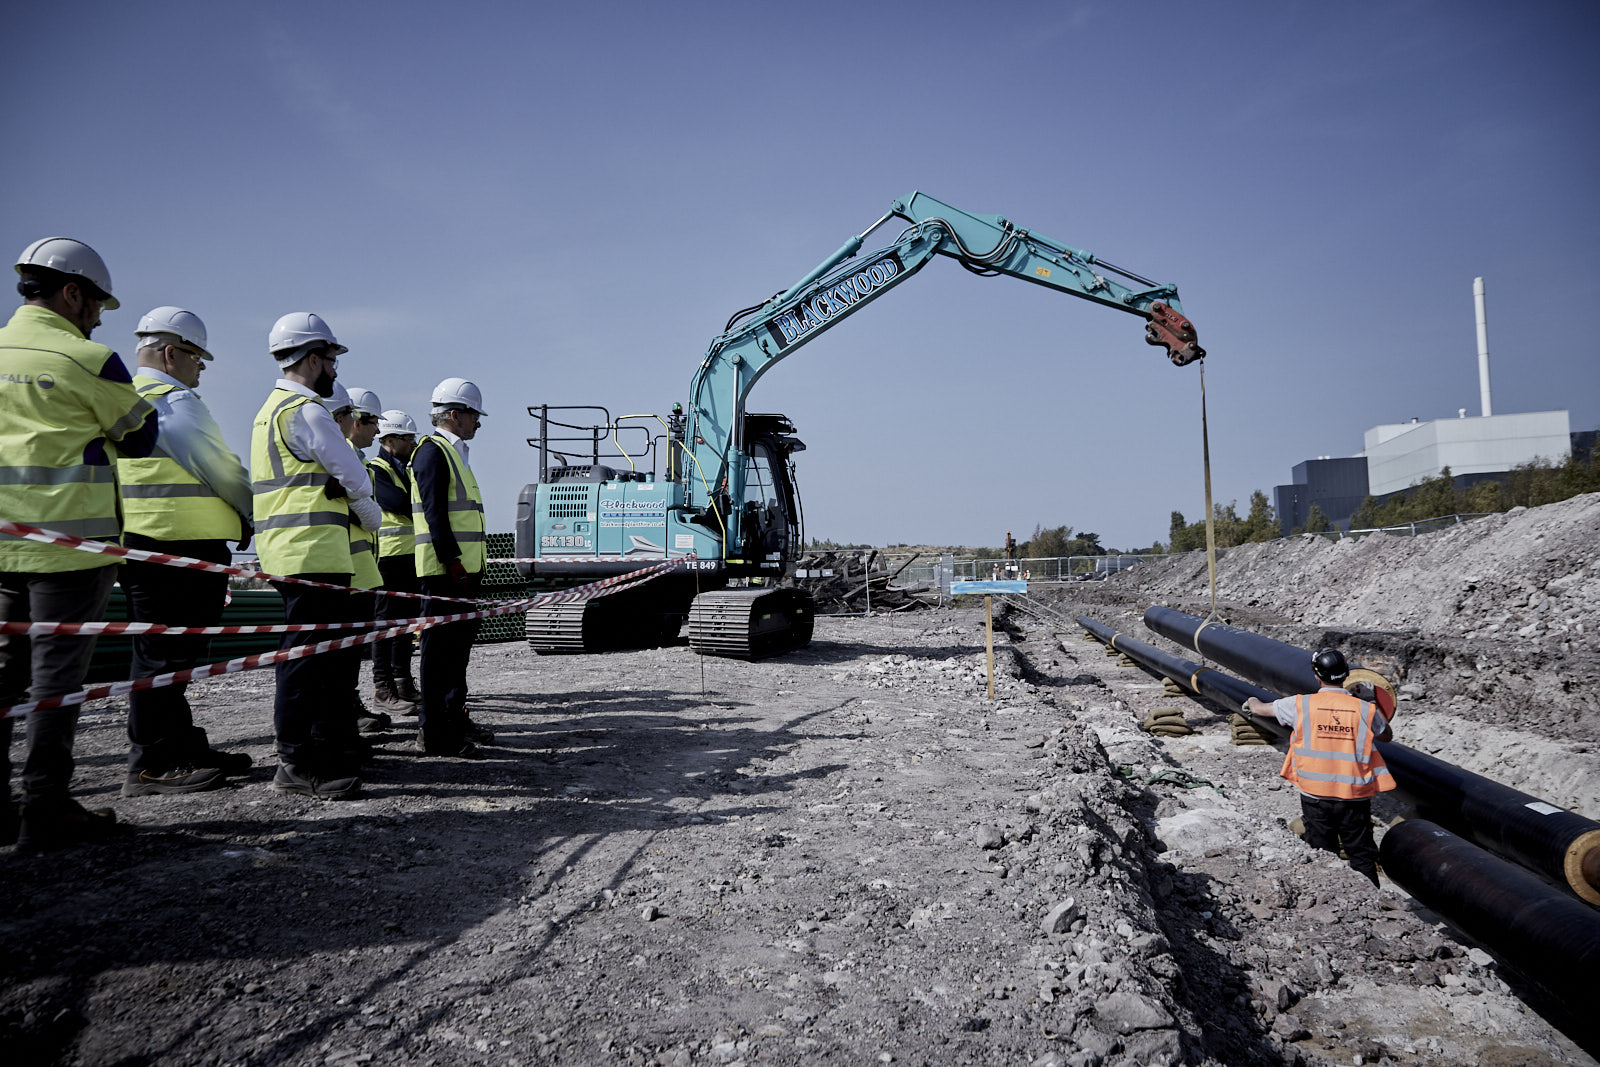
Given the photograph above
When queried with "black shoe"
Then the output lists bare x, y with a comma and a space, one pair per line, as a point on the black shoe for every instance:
175, 780
290, 780
375, 723
459, 749
232, 764
46, 825
481, 734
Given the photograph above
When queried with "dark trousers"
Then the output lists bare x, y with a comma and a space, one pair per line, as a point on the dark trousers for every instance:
311, 712
161, 730
48, 665
391, 657
442, 718
1331, 823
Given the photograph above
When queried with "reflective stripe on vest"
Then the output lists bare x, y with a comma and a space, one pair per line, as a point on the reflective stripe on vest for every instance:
161, 499
396, 534
298, 529
465, 508
362, 558
58, 408
1331, 752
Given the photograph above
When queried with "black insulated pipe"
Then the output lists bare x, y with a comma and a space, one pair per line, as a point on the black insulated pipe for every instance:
1281, 668
1562, 845
1220, 688
1540, 932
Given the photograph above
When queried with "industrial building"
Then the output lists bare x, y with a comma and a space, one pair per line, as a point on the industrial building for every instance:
1397, 456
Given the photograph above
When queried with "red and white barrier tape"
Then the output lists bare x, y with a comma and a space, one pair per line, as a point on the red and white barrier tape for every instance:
603, 587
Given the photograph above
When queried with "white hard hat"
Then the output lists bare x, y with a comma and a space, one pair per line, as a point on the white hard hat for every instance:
186, 325
457, 392
393, 422
300, 328
339, 398
70, 257
365, 401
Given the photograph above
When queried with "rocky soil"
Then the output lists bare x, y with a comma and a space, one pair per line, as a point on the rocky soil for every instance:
846, 855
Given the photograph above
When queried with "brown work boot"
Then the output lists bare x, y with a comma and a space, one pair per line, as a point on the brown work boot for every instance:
47, 825
408, 691
385, 695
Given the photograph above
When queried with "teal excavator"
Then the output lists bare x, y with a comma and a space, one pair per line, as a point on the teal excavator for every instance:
727, 506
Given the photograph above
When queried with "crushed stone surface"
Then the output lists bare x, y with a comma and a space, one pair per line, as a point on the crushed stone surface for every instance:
846, 855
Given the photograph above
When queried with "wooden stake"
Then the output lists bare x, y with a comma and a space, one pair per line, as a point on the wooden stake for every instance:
988, 639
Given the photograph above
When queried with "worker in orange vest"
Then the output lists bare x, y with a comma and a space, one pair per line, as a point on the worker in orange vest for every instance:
1332, 760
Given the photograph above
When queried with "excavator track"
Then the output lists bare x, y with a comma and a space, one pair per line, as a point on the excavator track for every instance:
631, 619
751, 623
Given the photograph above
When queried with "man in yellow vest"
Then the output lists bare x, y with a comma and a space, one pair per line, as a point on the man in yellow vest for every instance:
1332, 761
393, 688
309, 486
190, 497
356, 413
65, 404
447, 514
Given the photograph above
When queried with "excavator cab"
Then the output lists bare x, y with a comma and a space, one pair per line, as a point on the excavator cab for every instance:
770, 518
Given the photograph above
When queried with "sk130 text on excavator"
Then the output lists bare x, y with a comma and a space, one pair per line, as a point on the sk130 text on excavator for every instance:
728, 498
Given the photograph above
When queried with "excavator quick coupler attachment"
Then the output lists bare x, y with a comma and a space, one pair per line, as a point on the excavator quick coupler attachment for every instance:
1172, 331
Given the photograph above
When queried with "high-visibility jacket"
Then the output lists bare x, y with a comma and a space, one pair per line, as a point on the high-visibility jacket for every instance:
362, 556
1331, 752
63, 401
396, 535
464, 505
299, 530
161, 499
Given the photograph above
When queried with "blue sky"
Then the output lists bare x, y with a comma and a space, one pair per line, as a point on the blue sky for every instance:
566, 202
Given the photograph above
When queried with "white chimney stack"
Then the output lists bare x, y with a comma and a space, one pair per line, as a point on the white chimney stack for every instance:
1483, 347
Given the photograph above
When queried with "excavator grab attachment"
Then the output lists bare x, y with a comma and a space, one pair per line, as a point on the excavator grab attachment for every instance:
1174, 332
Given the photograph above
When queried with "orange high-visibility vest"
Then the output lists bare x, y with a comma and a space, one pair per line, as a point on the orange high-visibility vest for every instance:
1331, 752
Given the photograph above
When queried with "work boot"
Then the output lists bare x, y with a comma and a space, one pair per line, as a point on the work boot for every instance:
481, 734
231, 764
369, 722
175, 780
459, 749
46, 825
292, 780
408, 691
385, 695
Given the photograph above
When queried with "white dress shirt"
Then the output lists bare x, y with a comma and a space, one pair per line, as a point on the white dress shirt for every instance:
314, 434
194, 440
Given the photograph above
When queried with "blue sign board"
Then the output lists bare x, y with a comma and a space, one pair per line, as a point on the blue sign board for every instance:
968, 588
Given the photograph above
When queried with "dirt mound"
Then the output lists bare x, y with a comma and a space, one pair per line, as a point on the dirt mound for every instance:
1531, 573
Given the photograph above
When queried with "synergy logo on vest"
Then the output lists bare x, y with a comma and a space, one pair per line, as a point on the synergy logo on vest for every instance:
807, 316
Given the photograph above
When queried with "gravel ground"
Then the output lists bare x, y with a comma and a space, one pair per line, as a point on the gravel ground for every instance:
842, 856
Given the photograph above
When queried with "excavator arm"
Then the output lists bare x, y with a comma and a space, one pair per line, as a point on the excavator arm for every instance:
760, 336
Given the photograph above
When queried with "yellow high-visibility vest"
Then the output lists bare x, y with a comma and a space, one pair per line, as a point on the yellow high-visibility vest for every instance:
362, 557
58, 418
396, 536
465, 507
161, 499
298, 529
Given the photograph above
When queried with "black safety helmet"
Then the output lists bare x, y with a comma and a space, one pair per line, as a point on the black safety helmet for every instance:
1329, 665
